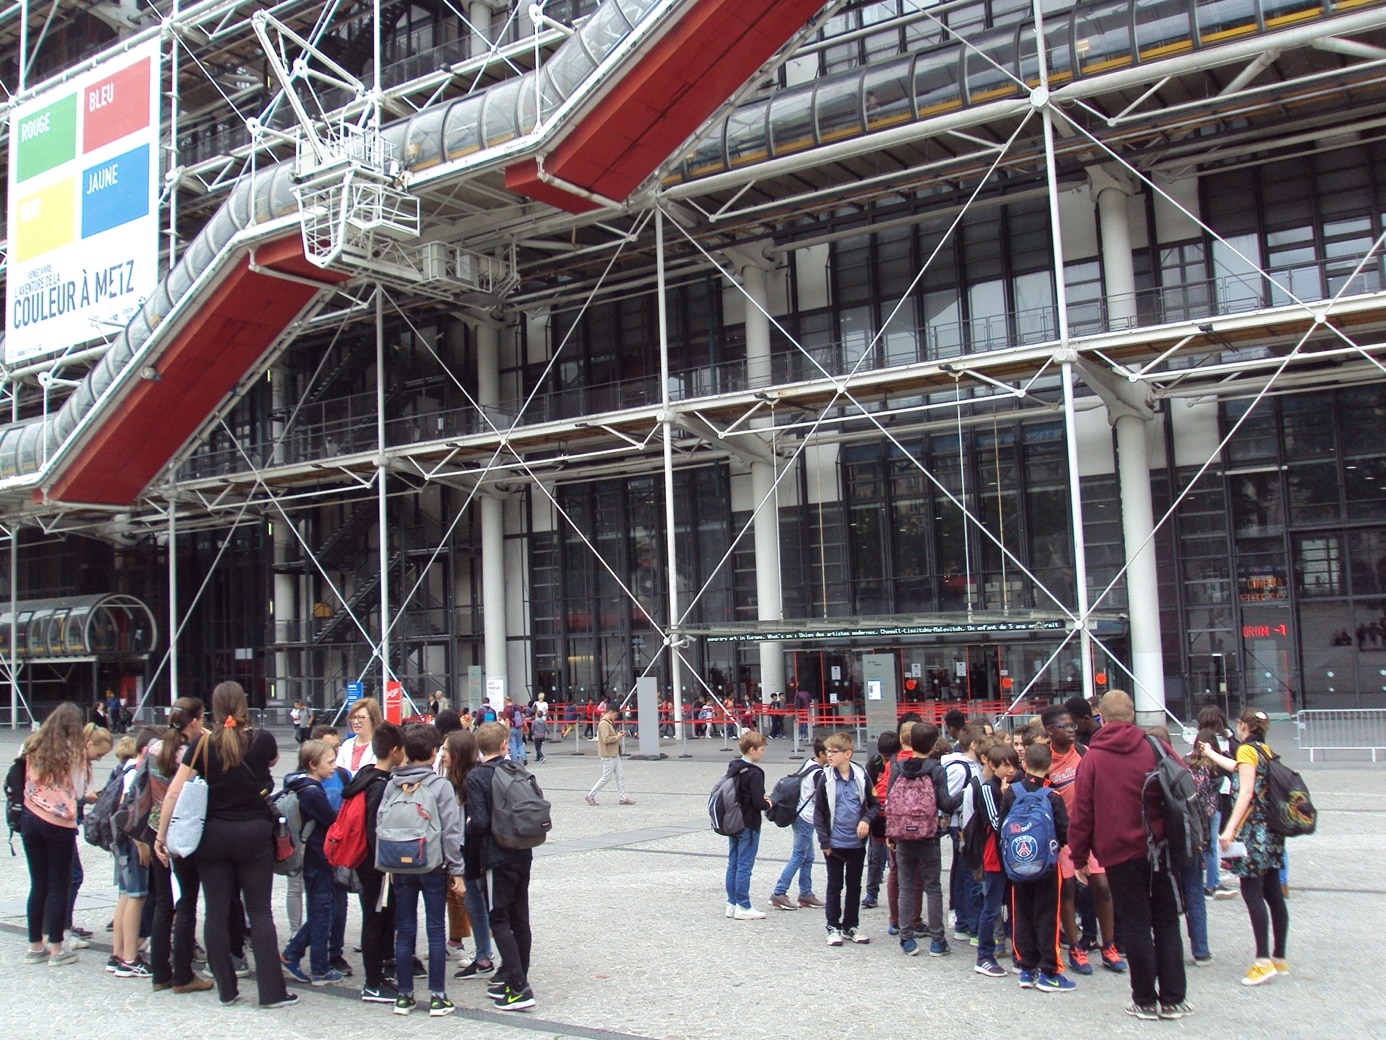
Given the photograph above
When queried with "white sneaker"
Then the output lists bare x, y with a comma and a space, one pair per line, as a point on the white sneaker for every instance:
731, 909
742, 913
834, 937
856, 936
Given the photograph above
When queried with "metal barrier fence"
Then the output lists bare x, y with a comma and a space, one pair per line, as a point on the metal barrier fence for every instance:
1362, 729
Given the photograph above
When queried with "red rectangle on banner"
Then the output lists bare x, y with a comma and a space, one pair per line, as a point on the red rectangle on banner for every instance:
115, 106
394, 701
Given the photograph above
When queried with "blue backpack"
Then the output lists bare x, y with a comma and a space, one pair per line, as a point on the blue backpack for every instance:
1029, 844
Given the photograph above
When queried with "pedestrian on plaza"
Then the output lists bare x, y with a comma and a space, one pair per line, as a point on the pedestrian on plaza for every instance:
420, 743
131, 870
317, 761
964, 891
844, 806
982, 824
56, 778
1111, 805
377, 914
462, 759
514, 717
1259, 869
171, 935
609, 752
917, 859
801, 857
508, 871
1085, 724
539, 732
803, 707
362, 718
1207, 777
296, 720
953, 723
98, 744
236, 853
742, 846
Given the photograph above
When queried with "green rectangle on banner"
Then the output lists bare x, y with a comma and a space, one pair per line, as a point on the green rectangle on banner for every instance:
46, 138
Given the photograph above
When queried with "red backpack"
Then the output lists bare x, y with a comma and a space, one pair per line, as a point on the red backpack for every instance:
344, 845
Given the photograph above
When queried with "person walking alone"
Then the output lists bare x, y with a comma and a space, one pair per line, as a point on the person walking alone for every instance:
609, 751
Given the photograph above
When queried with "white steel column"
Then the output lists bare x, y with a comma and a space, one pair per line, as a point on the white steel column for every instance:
671, 576
769, 600
284, 606
1142, 582
479, 14
1040, 99
1114, 225
492, 515
381, 473
14, 626
173, 601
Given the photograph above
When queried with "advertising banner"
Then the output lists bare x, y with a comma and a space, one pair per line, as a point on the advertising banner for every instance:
83, 220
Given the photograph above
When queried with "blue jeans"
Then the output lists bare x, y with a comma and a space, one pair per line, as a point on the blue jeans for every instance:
741, 860
481, 921
517, 745
971, 913
1213, 854
339, 911
1195, 908
800, 859
78, 876
316, 933
993, 891
434, 889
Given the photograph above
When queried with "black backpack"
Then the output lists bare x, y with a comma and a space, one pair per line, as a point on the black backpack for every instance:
98, 827
14, 798
1185, 833
977, 832
786, 801
1289, 810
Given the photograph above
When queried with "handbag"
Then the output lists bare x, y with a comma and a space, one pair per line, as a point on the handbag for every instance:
189, 812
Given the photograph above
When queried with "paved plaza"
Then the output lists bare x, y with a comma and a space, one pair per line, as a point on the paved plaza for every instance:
630, 940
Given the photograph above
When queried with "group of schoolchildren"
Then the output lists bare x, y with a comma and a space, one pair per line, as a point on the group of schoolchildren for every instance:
415, 820
1007, 817
421, 830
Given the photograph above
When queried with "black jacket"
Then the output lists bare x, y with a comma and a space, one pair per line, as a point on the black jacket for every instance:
750, 789
478, 825
371, 780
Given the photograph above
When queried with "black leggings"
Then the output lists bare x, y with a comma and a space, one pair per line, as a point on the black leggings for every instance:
48, 849
1260, 893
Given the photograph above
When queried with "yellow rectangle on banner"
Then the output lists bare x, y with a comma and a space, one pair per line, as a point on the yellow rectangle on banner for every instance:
44, 220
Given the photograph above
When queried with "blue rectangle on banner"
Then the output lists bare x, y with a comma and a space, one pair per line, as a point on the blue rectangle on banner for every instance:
354, 691
115, 192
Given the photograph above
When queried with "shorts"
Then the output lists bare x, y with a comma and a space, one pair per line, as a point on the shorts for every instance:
1066, 864
131, 879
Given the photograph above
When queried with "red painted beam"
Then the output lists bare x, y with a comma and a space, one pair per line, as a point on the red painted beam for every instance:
230, 331
656, 104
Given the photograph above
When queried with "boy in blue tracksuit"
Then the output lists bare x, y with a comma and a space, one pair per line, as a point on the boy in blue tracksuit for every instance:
317, 761
1035, 903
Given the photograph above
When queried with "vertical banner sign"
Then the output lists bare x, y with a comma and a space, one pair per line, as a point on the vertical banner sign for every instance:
394, 701
83, 220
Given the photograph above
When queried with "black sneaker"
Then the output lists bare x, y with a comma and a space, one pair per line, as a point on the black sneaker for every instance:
405, 1003
439, 1005
496, 989
112, 963
512, 1001
289, 1001
81, 933
338, 963
382, 994
135, 969
420, 972
475, 970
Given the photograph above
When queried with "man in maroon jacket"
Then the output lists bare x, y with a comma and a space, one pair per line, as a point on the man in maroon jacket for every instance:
1107, 820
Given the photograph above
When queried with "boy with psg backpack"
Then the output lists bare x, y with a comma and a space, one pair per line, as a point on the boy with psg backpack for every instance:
1032, 852
377, 915
917, 793
508, 869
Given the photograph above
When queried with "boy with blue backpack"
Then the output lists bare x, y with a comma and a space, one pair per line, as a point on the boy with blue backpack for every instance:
1034, 825
418, 842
